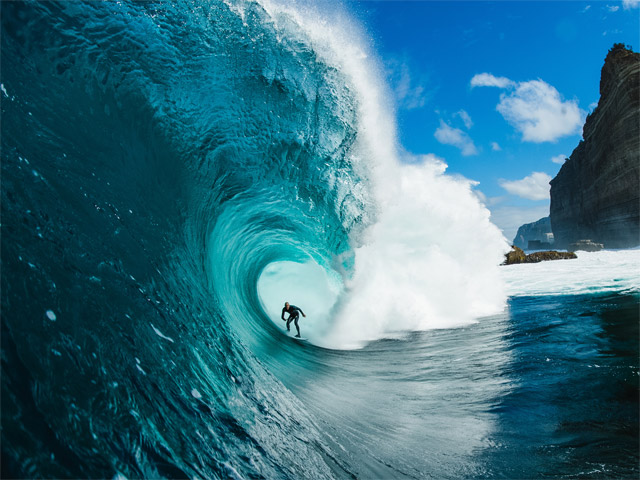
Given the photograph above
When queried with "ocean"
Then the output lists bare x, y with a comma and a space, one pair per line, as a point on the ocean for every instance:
172, 173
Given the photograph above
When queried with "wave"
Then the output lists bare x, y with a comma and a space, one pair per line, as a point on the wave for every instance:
171, 174
404, 257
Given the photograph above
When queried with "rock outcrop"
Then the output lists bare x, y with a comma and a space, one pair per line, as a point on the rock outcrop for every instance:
586, 245
516, 255
596, 193
539, 231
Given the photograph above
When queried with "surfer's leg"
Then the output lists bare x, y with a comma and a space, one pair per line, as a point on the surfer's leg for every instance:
288, 322
296, 323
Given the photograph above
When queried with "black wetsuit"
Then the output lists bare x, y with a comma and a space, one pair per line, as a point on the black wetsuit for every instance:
294, 313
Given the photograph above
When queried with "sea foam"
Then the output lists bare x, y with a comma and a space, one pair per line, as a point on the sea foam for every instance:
591, 272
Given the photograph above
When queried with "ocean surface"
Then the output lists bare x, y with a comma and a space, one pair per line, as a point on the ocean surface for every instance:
172, 173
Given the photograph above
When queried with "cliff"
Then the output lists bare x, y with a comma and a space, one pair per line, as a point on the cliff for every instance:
596, 194
539, 231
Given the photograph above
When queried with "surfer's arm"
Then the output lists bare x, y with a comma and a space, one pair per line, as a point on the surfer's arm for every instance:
302, 312
282, 316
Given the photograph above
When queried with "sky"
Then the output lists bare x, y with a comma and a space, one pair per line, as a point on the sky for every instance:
498, 90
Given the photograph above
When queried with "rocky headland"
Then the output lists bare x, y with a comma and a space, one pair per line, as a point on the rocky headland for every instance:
596, 194
532, 235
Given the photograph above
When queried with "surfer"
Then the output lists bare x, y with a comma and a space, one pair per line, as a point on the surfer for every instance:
294, 313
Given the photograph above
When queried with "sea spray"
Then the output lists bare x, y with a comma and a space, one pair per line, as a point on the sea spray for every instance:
431, 261
429, 257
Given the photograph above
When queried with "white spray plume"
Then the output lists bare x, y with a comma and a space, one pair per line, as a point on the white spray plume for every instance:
431, 259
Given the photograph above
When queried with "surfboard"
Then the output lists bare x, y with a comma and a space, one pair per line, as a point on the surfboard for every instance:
299, 339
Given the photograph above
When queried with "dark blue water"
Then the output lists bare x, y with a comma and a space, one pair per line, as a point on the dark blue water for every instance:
155, 159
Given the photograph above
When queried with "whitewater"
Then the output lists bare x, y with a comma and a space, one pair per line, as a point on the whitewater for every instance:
172, 173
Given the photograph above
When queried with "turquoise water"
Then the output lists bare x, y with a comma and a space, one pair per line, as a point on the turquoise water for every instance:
171, 174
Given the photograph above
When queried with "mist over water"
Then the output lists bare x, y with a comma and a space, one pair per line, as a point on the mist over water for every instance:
173, 173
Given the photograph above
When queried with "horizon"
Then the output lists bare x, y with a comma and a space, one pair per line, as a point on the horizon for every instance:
498, 90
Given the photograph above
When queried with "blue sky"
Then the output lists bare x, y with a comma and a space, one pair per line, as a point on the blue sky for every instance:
499, 90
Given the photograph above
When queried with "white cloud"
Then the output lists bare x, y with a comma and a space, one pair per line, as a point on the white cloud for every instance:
613, 8
628, 4
409, 95
448, 135
465, 118
537, 110
534, 187
586, 8
559, 159
495, 147
488, 80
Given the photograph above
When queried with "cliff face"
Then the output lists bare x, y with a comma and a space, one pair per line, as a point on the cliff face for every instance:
596, 194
